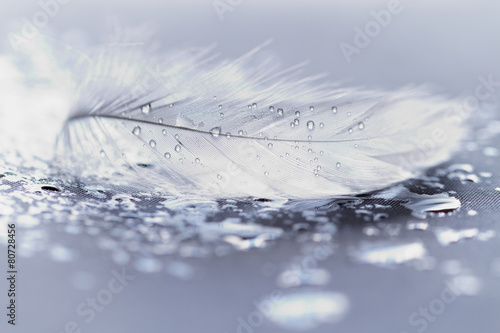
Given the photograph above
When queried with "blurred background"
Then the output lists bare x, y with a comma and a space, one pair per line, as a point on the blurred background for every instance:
336, 266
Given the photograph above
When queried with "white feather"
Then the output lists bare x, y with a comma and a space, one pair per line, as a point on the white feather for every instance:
216, 129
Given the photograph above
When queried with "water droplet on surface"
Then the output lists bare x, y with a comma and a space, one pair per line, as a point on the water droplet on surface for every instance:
417, 226
297, 113
387, 253
164, 131
136, 130
469, 285
61, 253
240, 132
350, 130
361, 125
447, 236
306, 310
197, 160
472, 212
371, 231
50, 188
491, 152
311, 108
215, 132
296, 122
167, 155
432, 203
148, 265
270, 145
294, 277
271, 109
177, 148
160, 120
292, 125
146, 108
338, 165
152, 143
334, 109
280, 112
219, 176
321, 125
310, 125
220, 106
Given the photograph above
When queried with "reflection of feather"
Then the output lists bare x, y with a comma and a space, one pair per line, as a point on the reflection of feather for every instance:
238, 129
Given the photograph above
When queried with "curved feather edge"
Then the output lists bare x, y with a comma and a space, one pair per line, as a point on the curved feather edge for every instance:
186, 124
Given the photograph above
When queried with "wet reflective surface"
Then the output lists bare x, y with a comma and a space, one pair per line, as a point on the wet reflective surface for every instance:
423, 255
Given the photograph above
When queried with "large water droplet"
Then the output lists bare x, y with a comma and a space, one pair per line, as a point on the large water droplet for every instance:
177, 148
152, 143
306, 310
136, 130
280, 112
361, 125
296, 122
215, 132
146, 108
167, 155
297, 113
310, 125
271, 109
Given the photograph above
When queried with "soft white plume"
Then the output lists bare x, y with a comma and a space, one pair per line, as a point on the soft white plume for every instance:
184, 123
